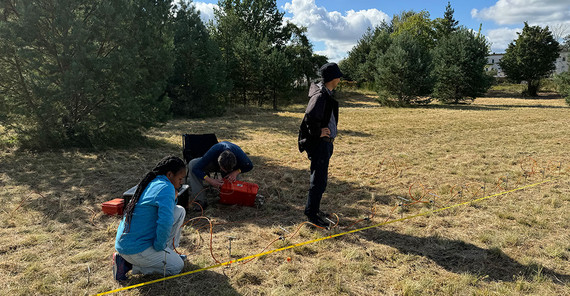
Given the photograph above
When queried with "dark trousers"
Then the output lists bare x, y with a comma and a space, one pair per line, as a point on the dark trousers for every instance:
319, 156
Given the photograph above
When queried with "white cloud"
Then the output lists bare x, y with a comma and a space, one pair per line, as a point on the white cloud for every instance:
336, 50
206, 10
500, 38
552, 13
339, 32
535, 12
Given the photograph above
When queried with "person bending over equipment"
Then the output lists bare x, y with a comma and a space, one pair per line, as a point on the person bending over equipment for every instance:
224, 157
150, 228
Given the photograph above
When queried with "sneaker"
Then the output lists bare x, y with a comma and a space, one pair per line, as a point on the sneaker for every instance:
120, 267
316, 220
201, 207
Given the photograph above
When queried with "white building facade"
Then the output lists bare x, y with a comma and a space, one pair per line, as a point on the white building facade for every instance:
561, 63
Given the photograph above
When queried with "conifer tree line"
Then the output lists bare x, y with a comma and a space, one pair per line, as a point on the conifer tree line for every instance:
413, 59
95, 73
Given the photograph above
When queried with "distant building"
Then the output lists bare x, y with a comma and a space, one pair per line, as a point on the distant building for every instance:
562, 63
493, 64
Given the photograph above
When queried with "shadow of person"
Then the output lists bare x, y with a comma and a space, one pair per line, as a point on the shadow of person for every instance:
200, 283
460, 257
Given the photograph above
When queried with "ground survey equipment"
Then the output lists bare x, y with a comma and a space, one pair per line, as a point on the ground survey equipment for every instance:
113, 207
116, 206
240, 193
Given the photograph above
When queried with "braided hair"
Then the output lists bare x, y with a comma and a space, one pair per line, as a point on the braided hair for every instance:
168, 164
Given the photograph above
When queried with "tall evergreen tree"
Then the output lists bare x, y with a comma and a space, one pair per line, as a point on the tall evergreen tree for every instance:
360, 65
300, 56
249, 31
278, 74
357, 58
83, 73
246, 30
404, 71
459, 61
530, 57
198, 84
446, 25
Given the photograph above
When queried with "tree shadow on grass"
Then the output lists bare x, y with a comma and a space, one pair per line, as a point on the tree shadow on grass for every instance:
511, 94
199, 283
69, 186
481, 107
460, 257
63, 184
285, 191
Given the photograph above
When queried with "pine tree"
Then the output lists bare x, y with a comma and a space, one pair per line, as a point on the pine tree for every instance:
83, 73
248, 31
530, 57
300, 55
404, 71
198, 84
446, 25
277, 74
459, 61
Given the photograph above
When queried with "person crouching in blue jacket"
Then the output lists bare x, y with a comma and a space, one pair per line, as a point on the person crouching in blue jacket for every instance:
150, 228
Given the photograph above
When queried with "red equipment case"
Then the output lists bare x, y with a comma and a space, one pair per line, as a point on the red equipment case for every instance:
238, 193
113, 207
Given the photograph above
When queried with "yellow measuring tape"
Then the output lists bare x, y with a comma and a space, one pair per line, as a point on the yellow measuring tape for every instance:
321, 239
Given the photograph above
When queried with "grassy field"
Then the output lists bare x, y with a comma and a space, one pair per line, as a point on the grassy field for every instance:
56, 241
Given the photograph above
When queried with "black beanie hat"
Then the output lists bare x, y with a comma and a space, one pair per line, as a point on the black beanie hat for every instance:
330, 71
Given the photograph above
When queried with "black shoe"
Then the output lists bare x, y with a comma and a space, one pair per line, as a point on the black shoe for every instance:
120, 267
316, 220
199, 206
323, 215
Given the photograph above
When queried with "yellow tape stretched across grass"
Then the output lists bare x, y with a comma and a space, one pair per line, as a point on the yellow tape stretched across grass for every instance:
322, 238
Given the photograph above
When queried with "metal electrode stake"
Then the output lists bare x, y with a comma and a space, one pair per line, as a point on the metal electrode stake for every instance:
230, 238
401, 204
433, 200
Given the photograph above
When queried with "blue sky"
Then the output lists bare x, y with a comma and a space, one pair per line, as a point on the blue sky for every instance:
334, 26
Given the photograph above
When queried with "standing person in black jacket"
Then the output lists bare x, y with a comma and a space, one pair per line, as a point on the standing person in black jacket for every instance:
316, 136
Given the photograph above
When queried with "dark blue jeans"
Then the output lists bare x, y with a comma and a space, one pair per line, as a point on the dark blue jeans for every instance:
319, 156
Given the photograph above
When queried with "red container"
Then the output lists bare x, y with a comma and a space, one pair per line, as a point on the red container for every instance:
113, 207
238, 193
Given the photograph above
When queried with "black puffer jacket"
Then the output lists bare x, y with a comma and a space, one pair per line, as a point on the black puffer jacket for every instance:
318, 114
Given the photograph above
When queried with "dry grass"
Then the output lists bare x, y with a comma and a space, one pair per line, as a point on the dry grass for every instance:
57, 242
